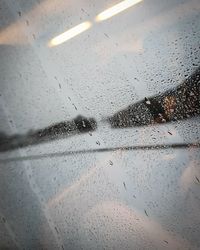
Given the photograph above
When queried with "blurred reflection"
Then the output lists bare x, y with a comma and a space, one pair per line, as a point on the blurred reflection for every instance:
188, 177
116, 9
124, 227
173, 105
14, 33
56, 131
70, 34
101, 164
169, 157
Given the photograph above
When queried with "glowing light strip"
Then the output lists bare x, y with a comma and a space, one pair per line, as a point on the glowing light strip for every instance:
69, 34
116, 9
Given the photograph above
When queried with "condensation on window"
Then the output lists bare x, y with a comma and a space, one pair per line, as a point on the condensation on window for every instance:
99, 124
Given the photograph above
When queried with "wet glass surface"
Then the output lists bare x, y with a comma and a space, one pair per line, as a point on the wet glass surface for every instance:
99, 124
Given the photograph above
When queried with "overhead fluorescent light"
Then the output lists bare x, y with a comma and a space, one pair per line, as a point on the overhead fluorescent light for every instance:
69, 34
116, 9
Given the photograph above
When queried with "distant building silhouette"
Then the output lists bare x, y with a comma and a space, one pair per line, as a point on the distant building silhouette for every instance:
173, 105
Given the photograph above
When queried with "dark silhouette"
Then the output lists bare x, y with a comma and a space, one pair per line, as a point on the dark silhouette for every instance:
56, 131
101, 150
173, 105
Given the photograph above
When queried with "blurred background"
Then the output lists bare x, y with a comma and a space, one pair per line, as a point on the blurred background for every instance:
102, 187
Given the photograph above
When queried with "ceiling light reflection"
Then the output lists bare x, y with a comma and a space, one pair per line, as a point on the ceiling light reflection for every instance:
116, 9
69, 34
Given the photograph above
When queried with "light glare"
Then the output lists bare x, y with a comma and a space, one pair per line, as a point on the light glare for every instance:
69, 34
116, 9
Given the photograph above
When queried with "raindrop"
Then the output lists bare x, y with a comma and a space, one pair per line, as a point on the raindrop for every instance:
98, 143
111, 163
146, 212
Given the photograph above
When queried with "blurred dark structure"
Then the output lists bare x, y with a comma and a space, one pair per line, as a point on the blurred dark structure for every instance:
173, 105
101, 150
56, 131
